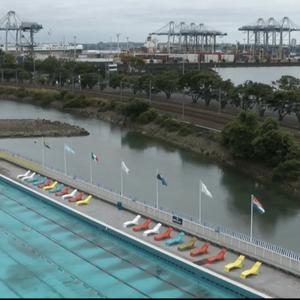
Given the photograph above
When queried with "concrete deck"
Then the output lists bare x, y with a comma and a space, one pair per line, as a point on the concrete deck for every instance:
272, 282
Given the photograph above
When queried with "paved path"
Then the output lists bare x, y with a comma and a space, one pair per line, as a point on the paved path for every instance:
271, 282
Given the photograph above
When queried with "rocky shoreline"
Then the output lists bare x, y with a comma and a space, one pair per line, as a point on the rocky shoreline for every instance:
204, 142
38, 127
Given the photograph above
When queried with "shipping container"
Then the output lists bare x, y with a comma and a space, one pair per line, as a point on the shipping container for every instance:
228, 57
211, 57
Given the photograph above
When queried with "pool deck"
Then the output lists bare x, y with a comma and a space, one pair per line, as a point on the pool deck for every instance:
271, 282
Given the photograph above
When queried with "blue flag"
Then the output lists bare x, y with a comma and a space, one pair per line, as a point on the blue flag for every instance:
159, 177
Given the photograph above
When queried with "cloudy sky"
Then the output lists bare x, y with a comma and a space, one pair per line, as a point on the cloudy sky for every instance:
92, 21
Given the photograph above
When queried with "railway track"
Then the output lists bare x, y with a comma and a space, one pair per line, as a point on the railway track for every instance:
174, 106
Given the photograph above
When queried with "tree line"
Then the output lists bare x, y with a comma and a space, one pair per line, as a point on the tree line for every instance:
281, 96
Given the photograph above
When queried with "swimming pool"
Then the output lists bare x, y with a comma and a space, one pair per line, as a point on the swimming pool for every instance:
46, 253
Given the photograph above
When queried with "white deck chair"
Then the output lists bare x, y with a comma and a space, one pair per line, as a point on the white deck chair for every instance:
27, 177
69, 195
154, 230
135, 221
22, 175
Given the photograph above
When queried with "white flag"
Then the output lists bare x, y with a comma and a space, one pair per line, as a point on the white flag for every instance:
69, 149
124, 168
205, 190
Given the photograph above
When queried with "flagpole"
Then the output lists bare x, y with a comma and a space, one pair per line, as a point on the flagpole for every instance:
43, 153
200, 202
121, 178
91, 172
251, 228
65, 159
156, 189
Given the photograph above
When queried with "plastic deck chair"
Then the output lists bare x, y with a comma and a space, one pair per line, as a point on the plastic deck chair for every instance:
135, 221
151, 231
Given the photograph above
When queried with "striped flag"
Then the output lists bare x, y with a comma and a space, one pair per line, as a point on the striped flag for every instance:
257, 205
94, 157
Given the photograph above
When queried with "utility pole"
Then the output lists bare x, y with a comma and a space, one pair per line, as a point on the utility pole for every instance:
183, 105
110, 45
127, 44
118, 42
74, 48
219, 100
150, 89
121, 92
34, 73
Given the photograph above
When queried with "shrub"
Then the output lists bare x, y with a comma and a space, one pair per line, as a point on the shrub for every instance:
37, 96
172, 125
105, 106
47, 98
63, 93
185, 130
102, 86
135, 107
160, 120
77, 102
288, 169
148, 116
21, 93
68, 97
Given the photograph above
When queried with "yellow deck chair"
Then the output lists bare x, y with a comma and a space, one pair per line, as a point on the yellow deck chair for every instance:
84, 201
49, 187
189, 245
253, 271
237, 264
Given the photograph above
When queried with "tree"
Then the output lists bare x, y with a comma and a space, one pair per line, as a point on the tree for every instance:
209, 84
239, 134
62, 75
226, 87
23, 75
167, 82
200, 84
89, 80
49, 66
7, 60
286, 83
273, 145
133, 83
189, 84
136, 64
261, 93
282, 102
146, 82
116, 79
241, 96
295, 99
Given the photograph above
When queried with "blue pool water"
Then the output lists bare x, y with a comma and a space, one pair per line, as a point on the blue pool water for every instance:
45, 253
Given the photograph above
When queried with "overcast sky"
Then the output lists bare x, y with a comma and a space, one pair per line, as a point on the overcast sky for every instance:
92, 21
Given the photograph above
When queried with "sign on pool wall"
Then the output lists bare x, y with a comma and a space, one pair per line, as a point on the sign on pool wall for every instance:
177, 220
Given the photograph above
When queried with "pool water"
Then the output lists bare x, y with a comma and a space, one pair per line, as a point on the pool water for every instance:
44, 253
